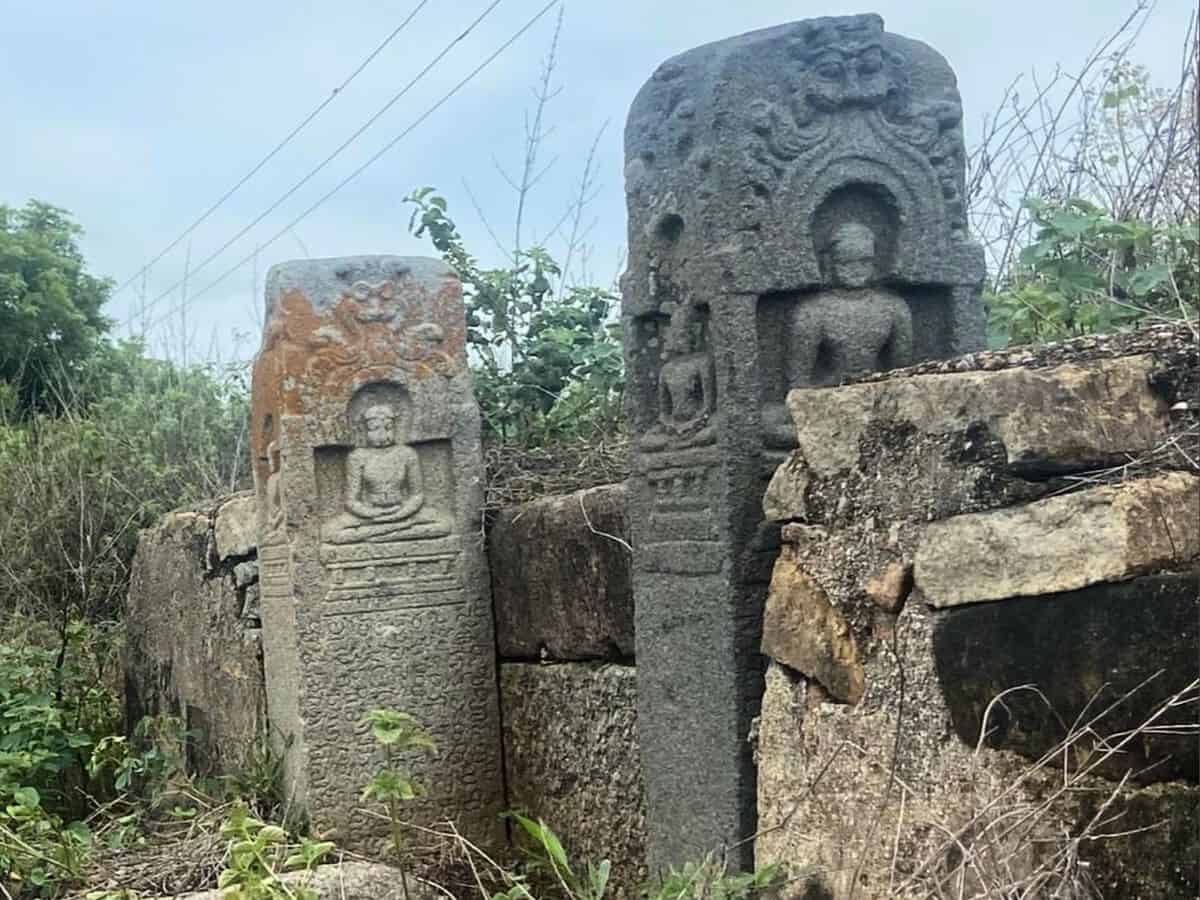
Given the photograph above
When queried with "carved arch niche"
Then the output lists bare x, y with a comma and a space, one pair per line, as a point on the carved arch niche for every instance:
433, 475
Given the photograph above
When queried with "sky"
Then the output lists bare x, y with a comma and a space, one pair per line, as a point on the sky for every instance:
137, 116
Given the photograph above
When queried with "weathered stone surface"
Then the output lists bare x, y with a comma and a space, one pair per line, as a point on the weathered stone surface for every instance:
829, 804
1062, 543
571, 757
560, 577
235, 531
1083, 651
193, 647
375, 590
889, 587
832, 812
802, 630
1072, 417
347, 881
795, 217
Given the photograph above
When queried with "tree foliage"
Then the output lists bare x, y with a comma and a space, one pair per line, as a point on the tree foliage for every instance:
50, 307
547, 363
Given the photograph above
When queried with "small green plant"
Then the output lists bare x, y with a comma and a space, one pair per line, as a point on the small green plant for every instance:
547, 856
259, 854
394, 785
709, 880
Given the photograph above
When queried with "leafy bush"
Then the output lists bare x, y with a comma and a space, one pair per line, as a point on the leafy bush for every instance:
1085, 272
259, 854
134, 437
547, 363
58, 705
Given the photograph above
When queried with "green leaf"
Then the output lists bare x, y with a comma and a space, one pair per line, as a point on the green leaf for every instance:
1149, 278
27, 797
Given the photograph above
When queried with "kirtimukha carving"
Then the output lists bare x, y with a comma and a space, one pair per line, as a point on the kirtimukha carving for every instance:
806, 181
374, 579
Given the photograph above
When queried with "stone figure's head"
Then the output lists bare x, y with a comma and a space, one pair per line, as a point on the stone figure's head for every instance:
852, 255
379, 425
845, 64
681, 337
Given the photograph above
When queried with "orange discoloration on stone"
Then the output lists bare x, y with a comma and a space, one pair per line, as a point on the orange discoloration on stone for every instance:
312, 356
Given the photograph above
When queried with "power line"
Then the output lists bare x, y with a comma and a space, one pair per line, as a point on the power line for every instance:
337, 152
375, 157
283, 143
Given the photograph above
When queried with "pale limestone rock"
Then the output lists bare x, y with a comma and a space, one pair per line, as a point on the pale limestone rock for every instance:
890, 585
784, 498
1062, 543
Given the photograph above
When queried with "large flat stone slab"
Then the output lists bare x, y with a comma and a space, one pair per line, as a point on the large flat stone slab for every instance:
1101, 534
560, 577
1071, 417
571, 758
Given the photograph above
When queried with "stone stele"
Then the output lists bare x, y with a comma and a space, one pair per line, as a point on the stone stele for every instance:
796, 216
374, 579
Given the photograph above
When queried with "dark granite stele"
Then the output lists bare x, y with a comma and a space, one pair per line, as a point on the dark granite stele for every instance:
796, 216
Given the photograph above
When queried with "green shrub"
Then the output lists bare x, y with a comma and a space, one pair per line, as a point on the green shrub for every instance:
59, 702
134, 438
547, 363
1087, 273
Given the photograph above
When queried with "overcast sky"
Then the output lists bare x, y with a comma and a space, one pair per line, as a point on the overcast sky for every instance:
136, 116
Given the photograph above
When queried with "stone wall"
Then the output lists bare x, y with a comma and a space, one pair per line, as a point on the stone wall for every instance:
194, 648
988, 584
564, 624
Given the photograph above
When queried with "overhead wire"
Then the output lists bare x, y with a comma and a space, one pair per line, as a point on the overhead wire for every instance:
358, 171
334, 94
321, 165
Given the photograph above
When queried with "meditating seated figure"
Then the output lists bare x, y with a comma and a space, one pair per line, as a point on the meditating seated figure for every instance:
686, 387
850, 328
384, 491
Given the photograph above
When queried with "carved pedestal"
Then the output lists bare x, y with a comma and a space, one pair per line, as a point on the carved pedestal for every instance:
373, 574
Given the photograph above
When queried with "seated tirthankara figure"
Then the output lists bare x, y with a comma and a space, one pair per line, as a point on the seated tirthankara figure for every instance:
384, 491
853, 327
847, 329
686, 386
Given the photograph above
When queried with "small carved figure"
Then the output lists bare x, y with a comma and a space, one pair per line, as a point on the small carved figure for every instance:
385, 499
276, 514
686, 385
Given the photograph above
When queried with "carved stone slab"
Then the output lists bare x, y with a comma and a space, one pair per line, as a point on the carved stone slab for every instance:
375, 592
796, 215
